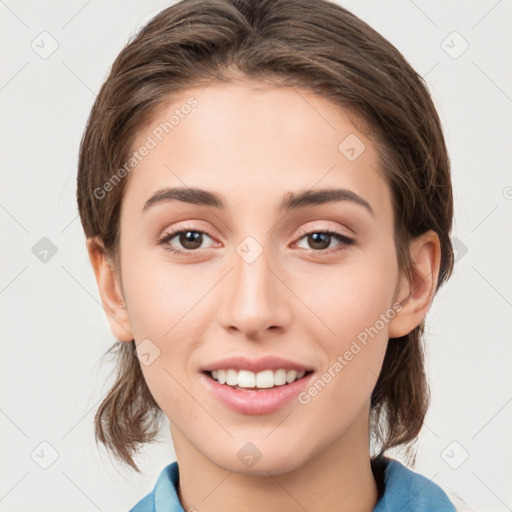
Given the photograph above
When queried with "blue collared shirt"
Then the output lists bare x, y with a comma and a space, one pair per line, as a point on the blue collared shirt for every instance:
404, 491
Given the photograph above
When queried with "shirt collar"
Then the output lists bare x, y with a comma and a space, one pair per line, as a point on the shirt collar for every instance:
166, 490
404, 491
408, 491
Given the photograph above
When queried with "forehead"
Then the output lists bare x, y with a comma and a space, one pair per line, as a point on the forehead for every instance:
253, 142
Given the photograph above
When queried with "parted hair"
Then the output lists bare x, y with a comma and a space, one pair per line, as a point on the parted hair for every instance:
317, 45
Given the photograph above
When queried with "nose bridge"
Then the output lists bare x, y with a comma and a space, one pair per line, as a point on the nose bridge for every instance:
255, 296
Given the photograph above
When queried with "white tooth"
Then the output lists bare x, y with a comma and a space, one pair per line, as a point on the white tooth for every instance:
291, 375
231, 377
265, 379
246, 379
280, 377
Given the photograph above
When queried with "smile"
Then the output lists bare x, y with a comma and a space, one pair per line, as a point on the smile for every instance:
246, 379
251, 399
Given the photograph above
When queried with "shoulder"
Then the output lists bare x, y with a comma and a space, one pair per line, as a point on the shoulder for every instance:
164, 496
409, 491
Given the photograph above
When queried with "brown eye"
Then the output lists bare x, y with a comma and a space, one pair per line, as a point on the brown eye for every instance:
189, 239
319, 241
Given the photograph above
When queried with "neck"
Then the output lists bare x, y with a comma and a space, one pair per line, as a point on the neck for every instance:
339, 477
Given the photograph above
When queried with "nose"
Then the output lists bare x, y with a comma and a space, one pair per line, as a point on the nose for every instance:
255, 298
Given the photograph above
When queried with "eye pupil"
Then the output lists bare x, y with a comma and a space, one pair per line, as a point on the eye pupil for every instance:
191, 237
320, 238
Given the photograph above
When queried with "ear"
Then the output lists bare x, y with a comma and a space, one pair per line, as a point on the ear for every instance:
416, 295
110, 291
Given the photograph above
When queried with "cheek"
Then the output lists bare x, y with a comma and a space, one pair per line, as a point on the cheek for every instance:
351, 297
162, 296
359, 316
354, 305
167, 384
164, 320
166, 309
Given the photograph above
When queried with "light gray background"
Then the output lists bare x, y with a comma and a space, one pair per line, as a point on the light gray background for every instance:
54, 331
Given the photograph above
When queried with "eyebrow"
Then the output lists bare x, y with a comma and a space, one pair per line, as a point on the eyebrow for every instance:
291, 201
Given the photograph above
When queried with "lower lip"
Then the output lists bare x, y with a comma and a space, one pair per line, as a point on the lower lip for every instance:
256, 402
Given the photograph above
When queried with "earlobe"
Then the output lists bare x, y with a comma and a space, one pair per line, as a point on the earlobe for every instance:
111, 296
416, 295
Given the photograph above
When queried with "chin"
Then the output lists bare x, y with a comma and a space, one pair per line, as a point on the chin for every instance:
273, 465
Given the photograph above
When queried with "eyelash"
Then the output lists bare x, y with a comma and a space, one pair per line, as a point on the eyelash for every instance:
345, 241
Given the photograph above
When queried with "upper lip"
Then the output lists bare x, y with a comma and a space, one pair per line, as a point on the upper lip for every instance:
256, 365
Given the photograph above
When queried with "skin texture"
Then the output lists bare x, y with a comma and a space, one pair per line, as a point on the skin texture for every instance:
253, 144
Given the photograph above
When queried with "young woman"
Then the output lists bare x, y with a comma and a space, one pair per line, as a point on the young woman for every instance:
265, 191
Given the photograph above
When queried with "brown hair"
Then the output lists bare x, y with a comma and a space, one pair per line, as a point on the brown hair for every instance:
319, 46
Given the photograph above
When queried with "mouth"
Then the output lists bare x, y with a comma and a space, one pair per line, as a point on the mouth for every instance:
249, 393
245, 380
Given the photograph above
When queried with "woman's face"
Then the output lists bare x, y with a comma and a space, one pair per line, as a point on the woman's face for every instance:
258, 275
